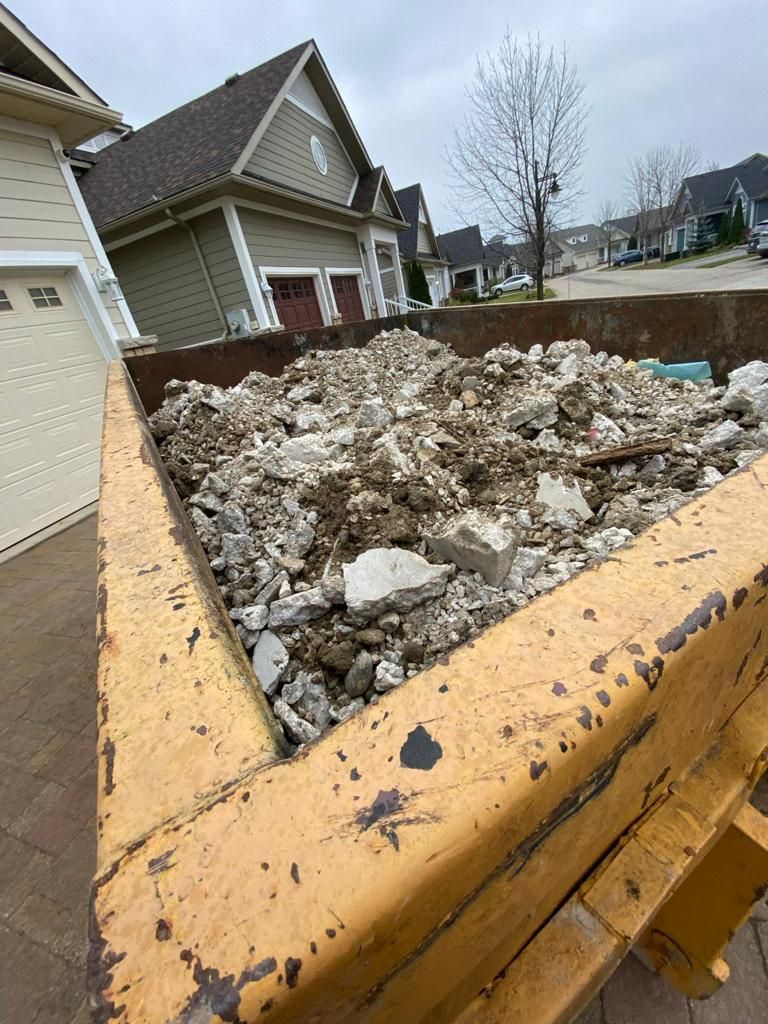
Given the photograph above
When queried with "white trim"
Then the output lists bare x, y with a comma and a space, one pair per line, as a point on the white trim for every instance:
262, 126
90, 230
359, 273
317, 149
314, 272
367, 240
352, 191
307, 110
81, 282
245, 262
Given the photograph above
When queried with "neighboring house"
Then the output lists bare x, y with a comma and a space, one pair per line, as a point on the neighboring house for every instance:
714, 194
645, 229
470, 267
61, 311
419, 243
582, 247
254, 207
521, 258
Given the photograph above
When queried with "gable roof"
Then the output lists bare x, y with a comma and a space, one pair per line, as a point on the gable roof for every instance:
411, 200
188, 146
462, 246
592, 231
25, 56
709, 191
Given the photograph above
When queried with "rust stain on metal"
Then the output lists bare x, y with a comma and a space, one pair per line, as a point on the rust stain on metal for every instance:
420, 751
108, 750
699, 618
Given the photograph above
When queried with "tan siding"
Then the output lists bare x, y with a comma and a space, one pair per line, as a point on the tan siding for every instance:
389, 284
165, 288
382, 206
422, 240
220, 258
38, 213
284, 156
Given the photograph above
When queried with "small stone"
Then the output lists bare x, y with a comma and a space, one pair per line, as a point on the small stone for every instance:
341, 712
213, 482
455, 405
469, 399
553, 492
254, 617
413, 652
548, 441
292, 565
309, 420
308, 449
389, 622
535, 410
607, 430
478, 544
338, 657
370, 637
391, 579
358, 678
722, 437
524, 519
494, 372
387, 676
655, 465
472, 384
292, 693
528, 561
298, 609
333, 589
270, 660
315, 704
607, 540
232, 519
710, 476
237, 548
298, 729
343, 435
270, 591
207, 501
300, 540
760, 437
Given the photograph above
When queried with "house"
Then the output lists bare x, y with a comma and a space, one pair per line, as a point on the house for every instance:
62, 315
254, 207
519, 257
418, 242
471, 268
714, 194
586, 245
644, 230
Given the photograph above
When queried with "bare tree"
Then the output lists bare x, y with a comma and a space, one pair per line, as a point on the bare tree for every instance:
606, 215
516, 156
653, 186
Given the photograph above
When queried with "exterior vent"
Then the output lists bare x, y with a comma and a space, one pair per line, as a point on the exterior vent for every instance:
232, 79
238, 323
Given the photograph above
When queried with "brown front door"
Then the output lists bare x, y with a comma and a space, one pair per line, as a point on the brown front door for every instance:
296, 302
347, 295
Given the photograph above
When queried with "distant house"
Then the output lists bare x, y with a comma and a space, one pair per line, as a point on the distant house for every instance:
418, 242
519, 258
714, 194
253, 207
644, 228
470, 267
586, 246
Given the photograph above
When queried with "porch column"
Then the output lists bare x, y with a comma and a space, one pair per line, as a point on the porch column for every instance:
366, 240
479, 280
395, 254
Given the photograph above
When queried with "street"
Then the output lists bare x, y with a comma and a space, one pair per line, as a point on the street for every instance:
598, 283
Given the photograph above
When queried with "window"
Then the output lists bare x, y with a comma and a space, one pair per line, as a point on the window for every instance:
318, 154
44, 298
5, 303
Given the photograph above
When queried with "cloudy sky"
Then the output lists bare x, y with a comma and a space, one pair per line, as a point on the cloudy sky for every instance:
655, 71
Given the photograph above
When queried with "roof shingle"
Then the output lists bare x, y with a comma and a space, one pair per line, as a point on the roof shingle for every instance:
188, 146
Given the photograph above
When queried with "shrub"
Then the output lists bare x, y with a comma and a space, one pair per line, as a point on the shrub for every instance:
737, 224
724, 231
418, 288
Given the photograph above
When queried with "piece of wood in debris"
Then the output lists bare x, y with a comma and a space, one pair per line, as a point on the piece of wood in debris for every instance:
628, 451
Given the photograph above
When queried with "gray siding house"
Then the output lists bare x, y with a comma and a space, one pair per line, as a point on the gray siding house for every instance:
419, 242
254, 207
714, 194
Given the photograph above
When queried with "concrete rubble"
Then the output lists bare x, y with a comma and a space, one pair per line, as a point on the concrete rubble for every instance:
370, 510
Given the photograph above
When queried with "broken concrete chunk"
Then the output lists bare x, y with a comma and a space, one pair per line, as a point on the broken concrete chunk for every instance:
291, 693
710, 476
207, 500
298, 608
269, 660
478, 544
607, 431
469, 399
299, 730
373, 414
505, 355
747, 389
214, 483
254, 617
555, 493
387, 676
310, 420
306, 448
237, 548
343, 436
655, 465
315, 704
536, 410
722, 437
528, 561
333, 589
607, 540
391, 579
232, 519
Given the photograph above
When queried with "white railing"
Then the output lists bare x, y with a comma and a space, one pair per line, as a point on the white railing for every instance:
404, 304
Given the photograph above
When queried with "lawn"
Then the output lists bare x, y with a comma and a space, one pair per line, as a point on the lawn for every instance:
728, 259
523, 296
658, 265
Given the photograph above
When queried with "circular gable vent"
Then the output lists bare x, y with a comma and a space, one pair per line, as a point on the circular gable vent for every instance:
318, 153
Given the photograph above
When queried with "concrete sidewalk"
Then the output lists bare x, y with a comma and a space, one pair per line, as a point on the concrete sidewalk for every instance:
48, 801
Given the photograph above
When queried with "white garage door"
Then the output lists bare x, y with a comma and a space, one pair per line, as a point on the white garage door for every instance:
52, 376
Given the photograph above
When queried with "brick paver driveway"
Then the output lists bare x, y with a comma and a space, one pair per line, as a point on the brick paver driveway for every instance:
48, 801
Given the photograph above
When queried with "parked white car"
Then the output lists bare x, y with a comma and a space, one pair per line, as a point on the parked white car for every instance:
516, 283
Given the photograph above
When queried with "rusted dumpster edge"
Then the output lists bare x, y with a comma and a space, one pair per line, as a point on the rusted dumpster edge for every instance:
525, 758
180, 714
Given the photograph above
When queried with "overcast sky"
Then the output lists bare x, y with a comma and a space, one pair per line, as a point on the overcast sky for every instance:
655, 71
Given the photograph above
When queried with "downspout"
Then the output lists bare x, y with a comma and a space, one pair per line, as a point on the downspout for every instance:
201, 260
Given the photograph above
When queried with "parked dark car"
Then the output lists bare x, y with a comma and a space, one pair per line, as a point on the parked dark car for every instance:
754, 238
653, 252
630, 256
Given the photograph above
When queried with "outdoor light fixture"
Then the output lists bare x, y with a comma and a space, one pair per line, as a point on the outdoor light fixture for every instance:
107, 282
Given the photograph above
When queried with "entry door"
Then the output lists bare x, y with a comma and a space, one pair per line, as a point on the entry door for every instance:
296, 302
52, 376
347, 294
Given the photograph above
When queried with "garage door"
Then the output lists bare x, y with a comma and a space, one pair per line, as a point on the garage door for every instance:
296, 302
347, 294
52, 377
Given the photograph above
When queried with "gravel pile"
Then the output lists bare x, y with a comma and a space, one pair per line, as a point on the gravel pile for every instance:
369, 510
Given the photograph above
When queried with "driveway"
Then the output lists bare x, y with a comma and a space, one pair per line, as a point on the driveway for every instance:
597, 284
48, 798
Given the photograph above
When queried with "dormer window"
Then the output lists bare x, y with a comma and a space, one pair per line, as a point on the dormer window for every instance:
318, 154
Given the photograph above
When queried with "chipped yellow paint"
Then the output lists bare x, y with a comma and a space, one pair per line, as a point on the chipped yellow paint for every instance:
398, 864
179, 716
674, 852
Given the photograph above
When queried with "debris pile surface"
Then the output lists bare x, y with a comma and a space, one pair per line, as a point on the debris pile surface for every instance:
371, 509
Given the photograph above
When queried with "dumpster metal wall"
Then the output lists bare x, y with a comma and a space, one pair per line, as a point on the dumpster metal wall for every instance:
727, 328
